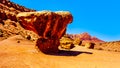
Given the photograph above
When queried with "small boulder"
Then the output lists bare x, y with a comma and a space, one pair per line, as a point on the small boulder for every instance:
89, 45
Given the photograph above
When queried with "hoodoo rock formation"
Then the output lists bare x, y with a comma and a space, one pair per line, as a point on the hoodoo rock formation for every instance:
50, 26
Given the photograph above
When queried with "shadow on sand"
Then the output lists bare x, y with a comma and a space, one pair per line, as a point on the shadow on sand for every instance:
70, 53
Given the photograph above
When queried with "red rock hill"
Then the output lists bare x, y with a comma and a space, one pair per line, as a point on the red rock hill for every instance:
85, 37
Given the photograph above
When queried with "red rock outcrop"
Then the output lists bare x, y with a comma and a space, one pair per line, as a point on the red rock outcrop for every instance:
14, 6
9, 10
50, 26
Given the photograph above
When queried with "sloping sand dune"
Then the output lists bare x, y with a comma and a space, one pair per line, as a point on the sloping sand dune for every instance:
16, 52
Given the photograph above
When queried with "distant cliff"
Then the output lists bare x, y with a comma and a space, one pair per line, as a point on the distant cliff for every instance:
85, 37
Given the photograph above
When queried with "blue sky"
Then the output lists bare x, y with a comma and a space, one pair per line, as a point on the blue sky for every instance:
100, 18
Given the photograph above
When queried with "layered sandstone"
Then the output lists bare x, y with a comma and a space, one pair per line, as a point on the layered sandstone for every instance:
50, 26
14, 6
9, 10
9, 24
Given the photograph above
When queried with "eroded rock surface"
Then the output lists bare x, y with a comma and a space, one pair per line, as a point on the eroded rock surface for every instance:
9, 10
9, 24
50, 26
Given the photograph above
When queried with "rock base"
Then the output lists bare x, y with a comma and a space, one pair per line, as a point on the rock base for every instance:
48, 46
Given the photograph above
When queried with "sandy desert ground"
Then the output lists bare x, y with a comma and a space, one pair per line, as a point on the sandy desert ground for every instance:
17, 52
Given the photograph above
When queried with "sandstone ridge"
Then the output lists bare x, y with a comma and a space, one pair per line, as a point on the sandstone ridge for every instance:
9, 10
